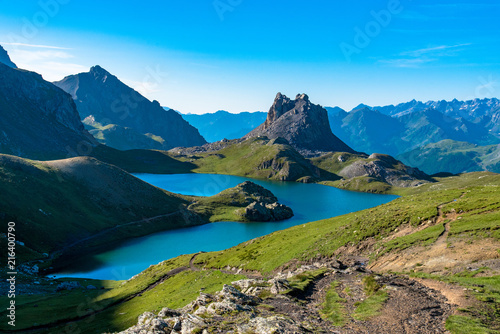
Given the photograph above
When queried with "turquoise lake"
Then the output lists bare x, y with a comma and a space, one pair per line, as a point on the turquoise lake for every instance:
309, 202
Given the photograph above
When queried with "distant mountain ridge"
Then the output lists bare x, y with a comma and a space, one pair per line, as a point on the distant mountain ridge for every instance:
303, 124
470, 110
103, 96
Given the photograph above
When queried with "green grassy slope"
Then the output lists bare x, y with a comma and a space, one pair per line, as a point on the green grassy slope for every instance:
474, 196
255, 157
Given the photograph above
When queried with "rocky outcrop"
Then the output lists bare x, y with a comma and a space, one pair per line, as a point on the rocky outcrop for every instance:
102, 95
262, 205
303, 124
386, 169
5, 59
258, 211
37, 119
209, 310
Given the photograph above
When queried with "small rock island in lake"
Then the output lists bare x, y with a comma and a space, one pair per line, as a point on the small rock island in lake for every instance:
245, 202
263, 204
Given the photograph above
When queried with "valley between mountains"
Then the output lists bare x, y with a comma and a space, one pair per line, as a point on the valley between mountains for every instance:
425, 262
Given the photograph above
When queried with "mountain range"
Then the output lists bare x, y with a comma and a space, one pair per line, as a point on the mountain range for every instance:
122, 118
398, 129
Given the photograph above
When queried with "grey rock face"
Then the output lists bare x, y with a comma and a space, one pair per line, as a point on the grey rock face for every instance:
102, 95
37, 119
303, 124
5, 59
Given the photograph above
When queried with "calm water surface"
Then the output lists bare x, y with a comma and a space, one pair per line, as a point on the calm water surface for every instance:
309, 202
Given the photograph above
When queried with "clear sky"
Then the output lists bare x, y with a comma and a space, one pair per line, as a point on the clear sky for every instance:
204, 55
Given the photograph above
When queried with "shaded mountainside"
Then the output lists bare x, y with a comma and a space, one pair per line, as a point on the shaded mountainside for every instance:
109, 101
223, 125
123, 138
366, 130
5, 59
409, 266
58, 203
65, 207
38, 120
454, 157
303, 124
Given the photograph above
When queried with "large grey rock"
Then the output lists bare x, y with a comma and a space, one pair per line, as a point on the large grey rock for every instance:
258, 211
303, 124
149, 323
274, 324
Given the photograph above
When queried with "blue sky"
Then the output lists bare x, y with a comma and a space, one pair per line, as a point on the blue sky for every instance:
204, 55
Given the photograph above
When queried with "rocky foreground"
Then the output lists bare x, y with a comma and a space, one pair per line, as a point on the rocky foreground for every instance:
282, 305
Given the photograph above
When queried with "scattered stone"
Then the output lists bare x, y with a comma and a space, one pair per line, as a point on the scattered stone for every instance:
69, 285
29, 270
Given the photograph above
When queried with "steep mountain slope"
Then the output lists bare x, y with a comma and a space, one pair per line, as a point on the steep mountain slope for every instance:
38, 120
5, 59
303, 124
454, 157
224, 125
58, 203
109, 101
367, 130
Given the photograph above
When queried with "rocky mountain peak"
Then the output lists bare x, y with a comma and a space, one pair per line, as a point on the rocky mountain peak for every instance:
100, 73
5, 59
102, 95
303, 124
